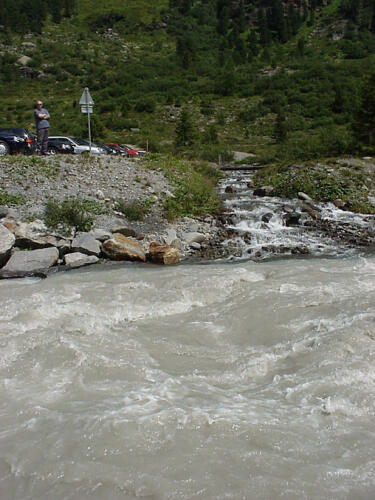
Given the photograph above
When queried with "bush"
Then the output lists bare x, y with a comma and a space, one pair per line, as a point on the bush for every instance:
194, 193
145, 105
134, 210
70, 213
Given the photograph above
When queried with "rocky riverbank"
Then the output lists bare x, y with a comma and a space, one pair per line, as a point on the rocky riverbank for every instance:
27, 184
107, 186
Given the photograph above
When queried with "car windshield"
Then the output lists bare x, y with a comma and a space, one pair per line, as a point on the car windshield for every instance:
81, 142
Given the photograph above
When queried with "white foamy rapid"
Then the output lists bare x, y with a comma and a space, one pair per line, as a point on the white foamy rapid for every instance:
221, 381
260, 227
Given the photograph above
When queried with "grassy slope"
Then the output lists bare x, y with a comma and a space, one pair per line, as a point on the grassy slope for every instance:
142, 64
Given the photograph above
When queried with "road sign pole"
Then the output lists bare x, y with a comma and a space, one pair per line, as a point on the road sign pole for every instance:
88, 118
87, 105
89, 125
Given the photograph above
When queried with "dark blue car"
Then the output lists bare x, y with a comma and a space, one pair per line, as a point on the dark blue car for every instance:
16, 140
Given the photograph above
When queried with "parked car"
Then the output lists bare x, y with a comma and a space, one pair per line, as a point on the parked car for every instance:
114, 150
117, 148
130, 151
16, 140
79, 145
95, 149
107, 149
61, 145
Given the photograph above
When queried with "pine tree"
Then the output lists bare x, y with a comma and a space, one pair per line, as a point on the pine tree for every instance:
185, 131
364, 119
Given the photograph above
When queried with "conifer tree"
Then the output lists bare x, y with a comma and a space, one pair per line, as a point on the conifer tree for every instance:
185, 131
364, 119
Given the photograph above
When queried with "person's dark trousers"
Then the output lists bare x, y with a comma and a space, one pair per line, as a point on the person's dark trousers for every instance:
42, 137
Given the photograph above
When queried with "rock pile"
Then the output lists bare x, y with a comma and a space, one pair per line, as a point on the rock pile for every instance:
30, 249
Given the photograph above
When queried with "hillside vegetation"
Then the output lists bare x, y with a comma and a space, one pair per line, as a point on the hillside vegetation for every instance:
280, 80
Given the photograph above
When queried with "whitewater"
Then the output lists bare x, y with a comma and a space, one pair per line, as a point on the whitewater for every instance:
241, 380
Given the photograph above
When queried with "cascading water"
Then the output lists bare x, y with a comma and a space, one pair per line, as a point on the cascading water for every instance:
264, 227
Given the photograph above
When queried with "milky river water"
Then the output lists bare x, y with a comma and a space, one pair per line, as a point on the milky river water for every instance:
221, 381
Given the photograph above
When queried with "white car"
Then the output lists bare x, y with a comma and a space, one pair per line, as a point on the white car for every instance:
79, 145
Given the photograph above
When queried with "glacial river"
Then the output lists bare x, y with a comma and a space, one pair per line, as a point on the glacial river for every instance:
245, 380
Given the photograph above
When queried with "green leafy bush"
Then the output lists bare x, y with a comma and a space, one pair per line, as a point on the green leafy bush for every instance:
69, 213
194, 193
8, 199
323, 182
134, 210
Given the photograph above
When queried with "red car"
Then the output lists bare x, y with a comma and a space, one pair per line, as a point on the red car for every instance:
130, 151
122, 149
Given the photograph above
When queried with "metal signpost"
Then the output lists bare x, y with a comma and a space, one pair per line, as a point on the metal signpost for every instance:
87, 106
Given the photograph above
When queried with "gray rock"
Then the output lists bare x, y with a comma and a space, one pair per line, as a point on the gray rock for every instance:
35, 235
86, 244
339, 203
100, 234
32, 260
3, 211
12, 213
292, 218
194, 237
304, 196
24, 60
170, 236
267, 217
7, 240
312, 211
195, 245
78, 259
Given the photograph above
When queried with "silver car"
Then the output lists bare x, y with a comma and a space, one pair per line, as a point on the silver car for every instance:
80, 145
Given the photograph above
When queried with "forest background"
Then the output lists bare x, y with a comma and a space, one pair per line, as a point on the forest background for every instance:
285, 81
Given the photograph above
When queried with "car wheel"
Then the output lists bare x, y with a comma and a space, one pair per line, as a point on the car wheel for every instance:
52, 150
4, 148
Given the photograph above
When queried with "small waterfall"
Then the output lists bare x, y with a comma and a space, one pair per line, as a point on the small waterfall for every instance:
262, 227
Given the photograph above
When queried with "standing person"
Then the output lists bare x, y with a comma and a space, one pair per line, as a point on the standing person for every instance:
41, 116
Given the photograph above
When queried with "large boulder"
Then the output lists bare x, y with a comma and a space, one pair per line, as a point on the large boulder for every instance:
35, 235
119, 247
32, 260
291, 218
100, 234
163, 254
7, 240
86, 243
78, 259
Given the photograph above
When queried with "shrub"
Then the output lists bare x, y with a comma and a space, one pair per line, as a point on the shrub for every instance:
134, 210
11, 199
69, 213
194, 193
145, 105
